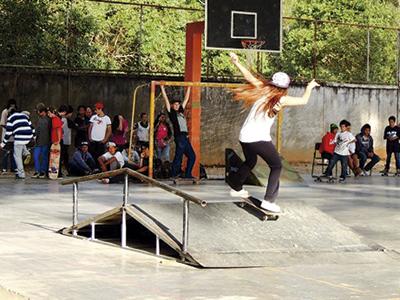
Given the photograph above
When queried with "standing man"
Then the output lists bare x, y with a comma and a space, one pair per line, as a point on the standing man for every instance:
42, 142
142, 130
99, 131
182, 144
391, 135
20, 127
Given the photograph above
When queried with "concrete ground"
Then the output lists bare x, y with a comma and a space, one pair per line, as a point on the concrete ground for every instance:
38, 263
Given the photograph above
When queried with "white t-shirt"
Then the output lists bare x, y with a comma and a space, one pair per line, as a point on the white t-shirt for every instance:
257, 126
117, 155
342, 141
143, 132
99, 127
66, 131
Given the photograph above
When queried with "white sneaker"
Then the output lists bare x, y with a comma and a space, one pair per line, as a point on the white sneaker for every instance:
241, 194
270, 206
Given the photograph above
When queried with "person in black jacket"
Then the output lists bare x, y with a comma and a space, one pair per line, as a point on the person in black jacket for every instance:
365, 149
391, 135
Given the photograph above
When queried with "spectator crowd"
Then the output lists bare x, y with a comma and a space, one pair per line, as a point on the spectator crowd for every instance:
357, 152
91, 142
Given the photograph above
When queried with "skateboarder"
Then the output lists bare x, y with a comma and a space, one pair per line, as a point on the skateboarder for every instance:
182, 144
266, 99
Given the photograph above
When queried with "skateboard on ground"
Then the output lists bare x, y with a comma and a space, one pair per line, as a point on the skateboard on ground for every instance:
325, 179
54, 161
255, 203
179, 180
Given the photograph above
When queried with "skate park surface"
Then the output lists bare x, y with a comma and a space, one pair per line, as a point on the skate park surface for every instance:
39, 263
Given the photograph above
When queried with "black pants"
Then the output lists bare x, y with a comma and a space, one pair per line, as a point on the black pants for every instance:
267, 151
64, 157
97, 149
389, 153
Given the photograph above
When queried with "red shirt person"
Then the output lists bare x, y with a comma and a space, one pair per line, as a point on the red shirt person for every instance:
328, 142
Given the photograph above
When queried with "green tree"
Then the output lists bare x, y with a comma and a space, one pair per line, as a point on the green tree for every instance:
341, 50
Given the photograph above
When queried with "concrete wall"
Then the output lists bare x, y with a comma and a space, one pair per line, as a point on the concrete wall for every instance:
221, 117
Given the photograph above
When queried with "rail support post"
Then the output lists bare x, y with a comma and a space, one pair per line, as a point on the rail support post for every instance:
123, 212
185, 234
74, 207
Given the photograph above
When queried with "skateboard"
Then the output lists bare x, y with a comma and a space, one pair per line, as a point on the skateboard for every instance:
54, 161
177, 181
255, 204
232, 165
325, 179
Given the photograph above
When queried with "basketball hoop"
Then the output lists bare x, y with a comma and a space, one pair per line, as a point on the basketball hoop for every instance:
252, 47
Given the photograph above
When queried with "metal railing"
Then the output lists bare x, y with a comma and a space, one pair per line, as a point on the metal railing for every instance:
187, 198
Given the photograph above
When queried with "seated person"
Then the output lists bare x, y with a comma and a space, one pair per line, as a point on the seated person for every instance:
328, 143
365, 149
353, 161
134, 158
143, 165
110, 161
82, 162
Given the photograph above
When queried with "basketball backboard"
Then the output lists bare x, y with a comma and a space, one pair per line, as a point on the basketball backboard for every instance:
229, 22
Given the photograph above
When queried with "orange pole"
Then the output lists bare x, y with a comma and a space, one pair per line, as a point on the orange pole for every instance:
194, 35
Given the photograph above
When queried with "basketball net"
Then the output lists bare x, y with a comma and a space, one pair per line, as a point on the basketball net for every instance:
252, 48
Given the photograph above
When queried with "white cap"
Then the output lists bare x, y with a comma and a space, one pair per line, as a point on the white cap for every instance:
281, 79
111, 144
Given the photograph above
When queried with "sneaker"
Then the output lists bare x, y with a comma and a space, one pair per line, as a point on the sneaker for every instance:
19, 177
365, 173
27, 159
35, 175
105, 181
241, 194
342, 179
270, 206
42, 175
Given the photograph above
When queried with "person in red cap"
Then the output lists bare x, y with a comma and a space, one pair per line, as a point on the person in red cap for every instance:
99, 131
266, 99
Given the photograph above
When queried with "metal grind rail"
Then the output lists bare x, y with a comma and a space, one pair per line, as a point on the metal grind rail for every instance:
128, 172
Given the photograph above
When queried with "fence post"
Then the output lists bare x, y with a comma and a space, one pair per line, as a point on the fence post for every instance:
74, 207
314, 60
368, 52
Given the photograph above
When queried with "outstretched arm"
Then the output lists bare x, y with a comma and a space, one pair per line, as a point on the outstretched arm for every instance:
166, 100
246, 73
292, 101
187, 96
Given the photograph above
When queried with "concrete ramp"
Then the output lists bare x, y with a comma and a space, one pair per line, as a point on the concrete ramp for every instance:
226, 235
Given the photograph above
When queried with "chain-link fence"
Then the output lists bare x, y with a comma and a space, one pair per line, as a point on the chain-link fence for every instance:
148, 39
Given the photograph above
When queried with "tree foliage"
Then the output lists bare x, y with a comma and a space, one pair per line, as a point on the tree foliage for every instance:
86, 34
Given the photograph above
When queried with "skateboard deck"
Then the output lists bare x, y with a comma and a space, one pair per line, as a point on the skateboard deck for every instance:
177, 181
325, 179
54, 161
255, 204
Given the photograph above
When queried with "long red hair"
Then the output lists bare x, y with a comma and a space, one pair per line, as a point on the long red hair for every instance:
249, 94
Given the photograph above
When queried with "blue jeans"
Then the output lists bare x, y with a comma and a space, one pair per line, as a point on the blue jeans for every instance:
343, 161
183, 147
363, 159
41, 158
163, 153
